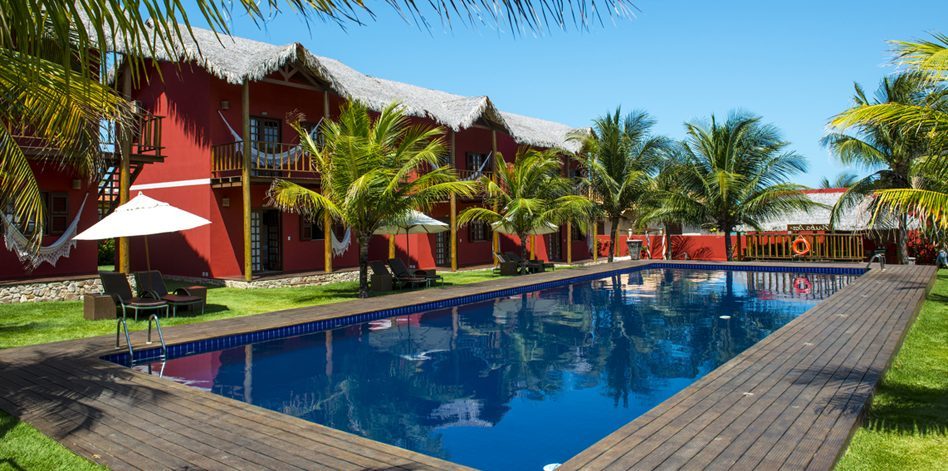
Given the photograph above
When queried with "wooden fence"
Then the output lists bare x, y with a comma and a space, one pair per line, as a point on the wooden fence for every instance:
822, 246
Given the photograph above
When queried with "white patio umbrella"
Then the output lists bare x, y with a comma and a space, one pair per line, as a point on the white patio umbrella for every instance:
504, 228
416, 223
142, 216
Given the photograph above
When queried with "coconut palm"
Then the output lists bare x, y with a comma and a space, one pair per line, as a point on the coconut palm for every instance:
734, 173
621, 156
843, 180
530, 195
373, 173
895, 152
54, 57
925, 118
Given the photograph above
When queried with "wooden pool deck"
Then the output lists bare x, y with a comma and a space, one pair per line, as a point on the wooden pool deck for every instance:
791, 401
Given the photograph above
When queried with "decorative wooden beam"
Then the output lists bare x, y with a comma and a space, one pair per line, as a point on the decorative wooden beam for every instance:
391, 246
327, 220
495, 236
569, 242
454, 212
245, 178
124, 137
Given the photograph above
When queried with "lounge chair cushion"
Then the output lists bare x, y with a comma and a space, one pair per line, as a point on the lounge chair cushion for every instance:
179, 299
145, 302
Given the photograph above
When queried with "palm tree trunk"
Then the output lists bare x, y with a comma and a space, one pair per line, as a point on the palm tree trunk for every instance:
523, 251
363, 266
613, 238
727, 243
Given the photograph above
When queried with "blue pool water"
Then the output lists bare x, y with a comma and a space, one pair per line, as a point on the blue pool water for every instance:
516, 382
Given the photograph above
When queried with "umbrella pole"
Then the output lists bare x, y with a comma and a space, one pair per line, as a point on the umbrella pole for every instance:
147, 255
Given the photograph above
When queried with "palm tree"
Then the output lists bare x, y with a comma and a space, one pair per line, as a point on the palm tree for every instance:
843, 180
55, 56
734, 173
894, 151
925, 118
373, 173
621, 156
530, 195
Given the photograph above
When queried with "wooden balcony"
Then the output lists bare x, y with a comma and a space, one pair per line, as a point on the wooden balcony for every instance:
823, 246
268, 161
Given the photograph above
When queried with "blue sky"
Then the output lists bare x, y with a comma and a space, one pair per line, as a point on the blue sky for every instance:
794, 63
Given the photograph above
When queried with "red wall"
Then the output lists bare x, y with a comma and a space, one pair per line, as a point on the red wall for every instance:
82, 259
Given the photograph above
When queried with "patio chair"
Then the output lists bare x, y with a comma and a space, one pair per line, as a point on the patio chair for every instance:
116, 285
401, 270
532, 266
506, 267
379, 269
151, 282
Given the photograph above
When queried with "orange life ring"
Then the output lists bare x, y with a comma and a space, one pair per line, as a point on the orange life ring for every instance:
802, 285
800, 251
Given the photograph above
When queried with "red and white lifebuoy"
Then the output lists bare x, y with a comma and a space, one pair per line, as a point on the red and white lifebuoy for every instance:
800, 246
802, 285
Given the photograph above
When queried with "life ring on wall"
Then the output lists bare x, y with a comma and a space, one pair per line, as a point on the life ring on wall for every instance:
797, 249
802, 285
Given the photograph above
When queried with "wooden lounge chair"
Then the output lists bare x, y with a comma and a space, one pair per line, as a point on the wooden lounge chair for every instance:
151, 282
116, 285
533, 266
380, 270
506, 267
401, 270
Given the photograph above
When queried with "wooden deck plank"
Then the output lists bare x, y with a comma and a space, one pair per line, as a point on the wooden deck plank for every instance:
96, 408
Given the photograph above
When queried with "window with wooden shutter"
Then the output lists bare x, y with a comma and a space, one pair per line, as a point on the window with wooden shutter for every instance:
479, 231
57, 212
310, 230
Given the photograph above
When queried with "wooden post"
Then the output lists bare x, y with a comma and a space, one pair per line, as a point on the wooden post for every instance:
453, 244
533, 247
495, 236
123, 137
569, 242
391, 246
327, 220
595, 233
454, 232
245, 178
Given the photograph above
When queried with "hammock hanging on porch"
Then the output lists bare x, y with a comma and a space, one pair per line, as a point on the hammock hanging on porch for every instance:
270, 159
480, 170
339, 247
19, 244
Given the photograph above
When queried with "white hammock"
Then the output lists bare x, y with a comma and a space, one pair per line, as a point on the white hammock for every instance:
480, 171
270, 159
339, 247
19, 244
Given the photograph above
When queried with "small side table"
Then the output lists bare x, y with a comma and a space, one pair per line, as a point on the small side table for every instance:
198, 290
98, 306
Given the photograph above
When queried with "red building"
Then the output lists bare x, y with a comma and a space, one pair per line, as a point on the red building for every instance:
237, 87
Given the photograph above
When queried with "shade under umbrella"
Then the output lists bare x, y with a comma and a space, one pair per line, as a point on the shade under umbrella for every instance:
142, 216
416, 223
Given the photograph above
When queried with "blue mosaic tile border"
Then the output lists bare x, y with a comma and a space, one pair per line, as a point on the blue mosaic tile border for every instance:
228, 341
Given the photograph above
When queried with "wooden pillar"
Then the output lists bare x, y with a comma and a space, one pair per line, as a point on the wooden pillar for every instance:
569, 242
453, 244
391, 247
454, 232
124, 142
245, 177
533, 247
327, 220
594, 233
495, 236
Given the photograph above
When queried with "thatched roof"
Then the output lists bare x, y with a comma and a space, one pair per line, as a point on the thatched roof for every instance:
234, 59
855, 219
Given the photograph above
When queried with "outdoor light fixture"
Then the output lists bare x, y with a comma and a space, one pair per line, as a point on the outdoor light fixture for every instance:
225, 202
76, 184
225, 104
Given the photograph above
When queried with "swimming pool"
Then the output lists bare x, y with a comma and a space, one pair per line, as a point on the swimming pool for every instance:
515, 381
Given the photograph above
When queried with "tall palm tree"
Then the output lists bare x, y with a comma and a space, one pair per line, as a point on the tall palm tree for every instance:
55, 56
734, 173
927, 119
621, 156
894, 151
530, 195
843, 180
373, 173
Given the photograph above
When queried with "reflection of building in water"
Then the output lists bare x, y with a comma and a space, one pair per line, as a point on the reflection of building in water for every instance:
775, 285
460, 413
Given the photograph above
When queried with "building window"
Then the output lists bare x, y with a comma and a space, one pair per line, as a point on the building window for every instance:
310, 230
479, 231
265, 130
474, 160
576, 234
56, 215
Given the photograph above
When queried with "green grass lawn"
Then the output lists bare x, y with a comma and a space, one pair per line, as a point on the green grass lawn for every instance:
24, 447
35, 323
907, 426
